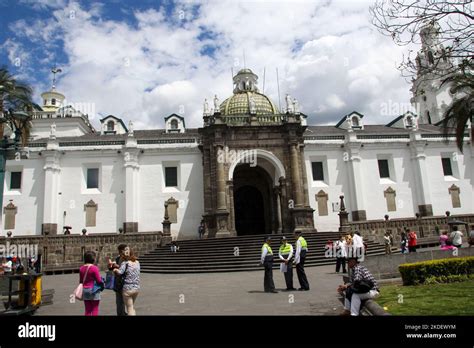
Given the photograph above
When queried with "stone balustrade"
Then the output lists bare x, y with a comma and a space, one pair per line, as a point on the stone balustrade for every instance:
66, 251
425, 226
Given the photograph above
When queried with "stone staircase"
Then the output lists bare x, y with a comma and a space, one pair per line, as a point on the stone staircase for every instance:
235, 254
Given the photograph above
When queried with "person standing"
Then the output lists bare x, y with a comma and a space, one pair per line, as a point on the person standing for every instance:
130, 270
358, 248
266, 259
456, 237
412, 240
341, 254
118, 284
286, 253
201, 229
300, 257
471, 236
89, 275
403, 243
388, 244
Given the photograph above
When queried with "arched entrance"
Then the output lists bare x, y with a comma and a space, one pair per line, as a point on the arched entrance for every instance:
254, 201
249, 211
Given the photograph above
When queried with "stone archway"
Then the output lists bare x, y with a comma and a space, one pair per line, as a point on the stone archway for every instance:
254, 201
255, 193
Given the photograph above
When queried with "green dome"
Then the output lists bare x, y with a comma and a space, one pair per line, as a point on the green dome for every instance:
238, 104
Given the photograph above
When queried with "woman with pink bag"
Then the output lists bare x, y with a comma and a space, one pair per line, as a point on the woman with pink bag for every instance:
89, 276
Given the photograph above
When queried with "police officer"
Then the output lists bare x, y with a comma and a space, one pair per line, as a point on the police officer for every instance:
300, 256
286, 253
267, 261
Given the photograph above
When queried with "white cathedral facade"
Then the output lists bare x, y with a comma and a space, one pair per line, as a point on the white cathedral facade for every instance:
120, 178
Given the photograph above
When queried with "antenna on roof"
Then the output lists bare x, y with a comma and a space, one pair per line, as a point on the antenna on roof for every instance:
278, 84
263, 91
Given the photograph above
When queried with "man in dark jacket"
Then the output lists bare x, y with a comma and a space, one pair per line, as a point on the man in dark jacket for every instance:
117, 284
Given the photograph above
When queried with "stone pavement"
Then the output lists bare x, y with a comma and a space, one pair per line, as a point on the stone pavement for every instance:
239, 293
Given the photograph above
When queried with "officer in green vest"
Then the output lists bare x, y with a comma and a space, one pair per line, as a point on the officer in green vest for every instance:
300, 256
286, 254
267, 261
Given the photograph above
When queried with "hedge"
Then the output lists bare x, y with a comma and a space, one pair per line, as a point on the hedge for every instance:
437, 271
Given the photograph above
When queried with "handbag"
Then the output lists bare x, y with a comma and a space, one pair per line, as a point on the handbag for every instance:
109, 280
362, 286
79, 292
98, 286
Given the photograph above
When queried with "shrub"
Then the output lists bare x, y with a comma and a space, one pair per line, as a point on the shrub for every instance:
442, 270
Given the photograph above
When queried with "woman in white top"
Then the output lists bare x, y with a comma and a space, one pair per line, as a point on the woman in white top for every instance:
456, 237
7, 265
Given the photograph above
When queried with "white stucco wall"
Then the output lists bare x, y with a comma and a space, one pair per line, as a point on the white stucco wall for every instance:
189, 192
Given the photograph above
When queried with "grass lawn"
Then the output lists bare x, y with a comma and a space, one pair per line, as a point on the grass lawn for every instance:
438, 299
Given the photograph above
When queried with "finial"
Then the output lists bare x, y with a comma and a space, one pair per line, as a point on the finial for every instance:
55, 70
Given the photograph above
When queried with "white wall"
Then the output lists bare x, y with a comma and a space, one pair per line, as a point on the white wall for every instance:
189, 192
74, 194
29, 200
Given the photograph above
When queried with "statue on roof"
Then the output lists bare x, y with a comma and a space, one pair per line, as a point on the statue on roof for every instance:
296, 107
206, 108
216, 104
130, 128
52, 133
289, 104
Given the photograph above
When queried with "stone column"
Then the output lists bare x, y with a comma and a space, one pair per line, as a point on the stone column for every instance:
221, 214
52, 172
131, 190
295, 173
220, 175
304, 176
422, 188
230, 186
356, 183
276, 190
284, 206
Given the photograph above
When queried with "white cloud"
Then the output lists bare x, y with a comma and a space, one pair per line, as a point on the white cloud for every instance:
327, 54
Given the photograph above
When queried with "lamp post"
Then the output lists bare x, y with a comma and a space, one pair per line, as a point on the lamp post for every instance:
7, 143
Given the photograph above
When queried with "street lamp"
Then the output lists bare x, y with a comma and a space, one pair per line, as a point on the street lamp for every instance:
7, 143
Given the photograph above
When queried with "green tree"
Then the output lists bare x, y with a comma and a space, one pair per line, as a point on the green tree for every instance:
15, 96
461, 110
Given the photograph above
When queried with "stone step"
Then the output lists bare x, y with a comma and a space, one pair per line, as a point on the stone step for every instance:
217, 255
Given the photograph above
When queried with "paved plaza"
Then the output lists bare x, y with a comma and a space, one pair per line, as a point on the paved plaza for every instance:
239, 293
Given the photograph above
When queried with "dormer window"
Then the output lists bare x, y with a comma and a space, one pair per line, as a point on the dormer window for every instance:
174, 124
355, 122
409, 122
110, 126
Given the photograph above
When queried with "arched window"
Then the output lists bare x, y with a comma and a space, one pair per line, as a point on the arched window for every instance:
53, 101
110, 125
355, 121
174, 124
409, 121
45, 102
430, 57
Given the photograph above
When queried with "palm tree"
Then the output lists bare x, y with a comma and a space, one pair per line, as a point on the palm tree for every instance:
461, 109
15, 96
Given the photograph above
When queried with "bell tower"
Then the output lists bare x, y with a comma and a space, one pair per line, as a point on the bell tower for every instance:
433, 64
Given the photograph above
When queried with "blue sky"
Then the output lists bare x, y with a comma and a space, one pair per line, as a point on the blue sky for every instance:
143, 60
